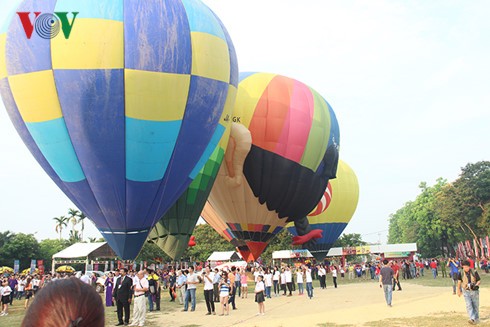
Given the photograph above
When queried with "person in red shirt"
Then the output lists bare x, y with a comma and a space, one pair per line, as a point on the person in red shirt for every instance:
433, 266
396, 275
472, 263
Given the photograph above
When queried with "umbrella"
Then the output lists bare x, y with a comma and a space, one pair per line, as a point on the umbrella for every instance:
28, 271
65, 269
4, 270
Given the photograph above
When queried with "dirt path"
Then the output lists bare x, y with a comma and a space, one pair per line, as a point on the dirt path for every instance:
352, 304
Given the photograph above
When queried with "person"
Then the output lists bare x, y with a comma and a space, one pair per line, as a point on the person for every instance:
5, 292
299, 281
268, 283
13, 286
180, 286
396, 276
453, 265
85, 279
171, 285
21, 285
469, 285
109, 287
275, 280
68, 302
190, 294
283, 281
433, 266
289, 280
386, 281
309, 282
122, 296
224, 293
216, 279
152, 289
140, 287
334, 275
158, 289
244, 284
259, 295
208, 277
322, 276
233, 291
29, 292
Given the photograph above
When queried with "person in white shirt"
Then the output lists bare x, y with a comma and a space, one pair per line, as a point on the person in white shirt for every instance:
283, 281
192, 281
259, 294
299, 280
140, 287
309, 282
86, 279
275, 279
21, 285
322, 275
334, 275
289, 280
208, 277
5, 292
268, 283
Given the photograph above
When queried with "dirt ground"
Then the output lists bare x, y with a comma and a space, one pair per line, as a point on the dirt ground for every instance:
358, 304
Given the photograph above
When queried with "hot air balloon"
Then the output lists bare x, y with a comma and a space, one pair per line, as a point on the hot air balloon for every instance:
214, 220
123, 106
282, 152
173, 231
332, 222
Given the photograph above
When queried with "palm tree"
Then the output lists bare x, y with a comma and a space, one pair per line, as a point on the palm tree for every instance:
92, 239
72, 216
81, 218
60, 223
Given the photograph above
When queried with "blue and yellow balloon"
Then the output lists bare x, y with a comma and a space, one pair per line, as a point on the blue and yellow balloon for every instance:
123, 107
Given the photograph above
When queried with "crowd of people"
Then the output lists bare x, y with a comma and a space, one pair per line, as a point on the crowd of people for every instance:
222, 288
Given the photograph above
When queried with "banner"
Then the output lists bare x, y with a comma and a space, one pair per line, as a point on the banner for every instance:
134, 266
363, 249
33, 266
96, 267
476, 248
141, 265
397, 254
16, 266
119, 264
40, 266
106, 265
112, 265
349, 250
488, 246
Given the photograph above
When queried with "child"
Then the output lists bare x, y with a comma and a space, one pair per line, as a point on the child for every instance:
5, 292
224, 293
259, 295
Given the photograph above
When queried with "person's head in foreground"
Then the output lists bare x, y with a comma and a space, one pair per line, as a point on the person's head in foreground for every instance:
66, 303
466, 265
385, 262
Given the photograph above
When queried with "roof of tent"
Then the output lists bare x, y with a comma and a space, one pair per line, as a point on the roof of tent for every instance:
83, 250
291, 254
224, 256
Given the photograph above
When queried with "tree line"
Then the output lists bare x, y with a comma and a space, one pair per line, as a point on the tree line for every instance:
446, 213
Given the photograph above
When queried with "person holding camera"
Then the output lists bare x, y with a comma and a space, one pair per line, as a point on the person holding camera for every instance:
468, 285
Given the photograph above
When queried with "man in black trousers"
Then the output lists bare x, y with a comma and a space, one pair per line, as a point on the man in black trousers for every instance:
122, 296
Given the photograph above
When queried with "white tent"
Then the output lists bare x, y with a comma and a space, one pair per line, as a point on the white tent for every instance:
291, 254
225, 256
85, 253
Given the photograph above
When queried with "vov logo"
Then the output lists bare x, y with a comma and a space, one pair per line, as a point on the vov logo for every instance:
47, 25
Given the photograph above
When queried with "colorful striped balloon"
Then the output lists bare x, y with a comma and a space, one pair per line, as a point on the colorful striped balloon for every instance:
282, 152
335, 218
324, 202
123, 107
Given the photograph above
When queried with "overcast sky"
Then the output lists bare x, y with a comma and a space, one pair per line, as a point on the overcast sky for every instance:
408, 80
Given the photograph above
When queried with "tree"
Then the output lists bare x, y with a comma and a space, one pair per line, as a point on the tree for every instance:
23, 247
347, 240
49, 247
60, 223
74, 237
81, 220
150, 252
73, 217
207, 241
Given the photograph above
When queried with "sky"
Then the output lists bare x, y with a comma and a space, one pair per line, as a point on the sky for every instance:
409, 82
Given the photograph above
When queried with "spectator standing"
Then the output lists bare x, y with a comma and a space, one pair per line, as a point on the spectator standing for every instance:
469, 285
140, 286
386, 281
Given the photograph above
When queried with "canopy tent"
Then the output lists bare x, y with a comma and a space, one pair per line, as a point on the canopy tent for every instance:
228, 265
225, 256
86, 253
402, 250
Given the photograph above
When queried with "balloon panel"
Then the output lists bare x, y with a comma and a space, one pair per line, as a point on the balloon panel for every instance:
125, 112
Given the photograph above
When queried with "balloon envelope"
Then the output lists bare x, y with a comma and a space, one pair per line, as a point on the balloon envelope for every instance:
332, 222
283, 150
124, 112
